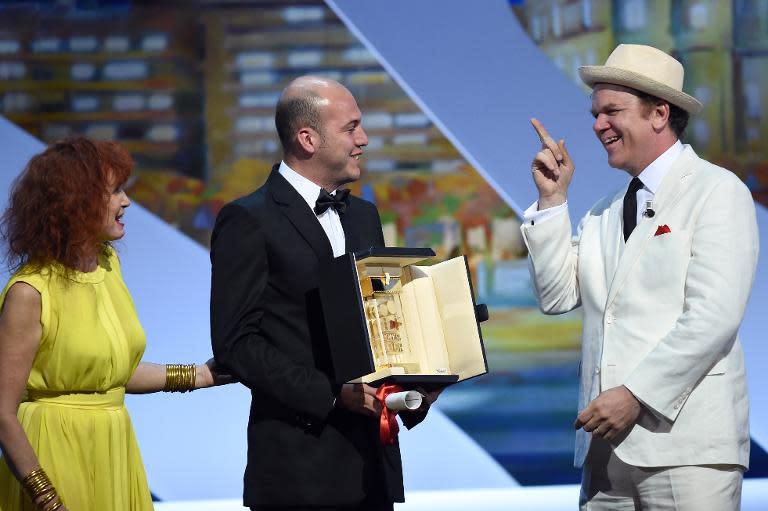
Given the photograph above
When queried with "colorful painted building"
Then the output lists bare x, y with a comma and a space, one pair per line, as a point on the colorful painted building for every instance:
722, 44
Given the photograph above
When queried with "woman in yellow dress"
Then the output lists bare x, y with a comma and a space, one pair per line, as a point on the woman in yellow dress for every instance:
70, 341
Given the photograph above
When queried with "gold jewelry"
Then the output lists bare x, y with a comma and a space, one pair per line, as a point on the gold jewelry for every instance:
36, 483
42, 503
39, 486
34, 474
180, 378
56, 506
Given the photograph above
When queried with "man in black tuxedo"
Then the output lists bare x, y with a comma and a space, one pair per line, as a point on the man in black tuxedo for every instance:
312, 444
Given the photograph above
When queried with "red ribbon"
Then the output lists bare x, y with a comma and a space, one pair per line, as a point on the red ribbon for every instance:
388, 427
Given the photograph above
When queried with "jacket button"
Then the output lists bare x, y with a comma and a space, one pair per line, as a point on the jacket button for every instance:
597, 370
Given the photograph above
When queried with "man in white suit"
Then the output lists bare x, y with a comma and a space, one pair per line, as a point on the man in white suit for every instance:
663, 270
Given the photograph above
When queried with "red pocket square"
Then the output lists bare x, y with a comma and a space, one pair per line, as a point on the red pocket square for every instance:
663, 229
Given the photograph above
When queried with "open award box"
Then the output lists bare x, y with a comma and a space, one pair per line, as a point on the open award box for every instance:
391, 321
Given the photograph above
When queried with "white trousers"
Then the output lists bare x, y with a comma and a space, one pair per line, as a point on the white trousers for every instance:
609, 484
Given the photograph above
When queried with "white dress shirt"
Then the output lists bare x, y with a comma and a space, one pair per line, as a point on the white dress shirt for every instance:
329, 219
651, 177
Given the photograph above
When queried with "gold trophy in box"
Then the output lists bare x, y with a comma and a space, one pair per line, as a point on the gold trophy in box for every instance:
384, 317
390, 320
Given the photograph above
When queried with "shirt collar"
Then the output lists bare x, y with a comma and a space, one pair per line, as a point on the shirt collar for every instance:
308, 190
655, 172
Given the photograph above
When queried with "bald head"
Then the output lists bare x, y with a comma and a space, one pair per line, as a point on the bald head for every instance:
311, 83
299, 107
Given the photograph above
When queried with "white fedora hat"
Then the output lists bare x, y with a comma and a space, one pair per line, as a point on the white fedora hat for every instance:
646, 69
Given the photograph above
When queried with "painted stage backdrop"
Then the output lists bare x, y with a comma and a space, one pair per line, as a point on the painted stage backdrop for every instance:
191, 93
723, 45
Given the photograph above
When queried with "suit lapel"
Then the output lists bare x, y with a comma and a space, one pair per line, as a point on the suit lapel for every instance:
670, 189
351, 236
303, 219
612, 237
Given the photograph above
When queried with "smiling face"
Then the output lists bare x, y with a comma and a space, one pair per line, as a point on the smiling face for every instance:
117, 201
628, 129
342, 137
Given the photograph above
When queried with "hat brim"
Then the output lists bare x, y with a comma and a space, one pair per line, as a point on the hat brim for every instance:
591, 75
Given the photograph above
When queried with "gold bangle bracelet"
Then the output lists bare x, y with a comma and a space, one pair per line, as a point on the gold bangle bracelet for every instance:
55, 506
37, 489
34, 478
49, 497
37, 483
39, 486
180, 378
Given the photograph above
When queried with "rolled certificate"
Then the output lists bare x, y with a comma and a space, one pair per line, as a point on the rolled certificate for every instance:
399, 401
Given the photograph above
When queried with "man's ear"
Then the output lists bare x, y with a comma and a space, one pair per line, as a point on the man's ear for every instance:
660, 116
308, 140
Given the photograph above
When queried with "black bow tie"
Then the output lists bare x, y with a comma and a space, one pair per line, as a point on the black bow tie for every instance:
338, 201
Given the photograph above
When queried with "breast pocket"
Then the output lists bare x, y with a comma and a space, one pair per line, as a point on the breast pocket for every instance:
665, 260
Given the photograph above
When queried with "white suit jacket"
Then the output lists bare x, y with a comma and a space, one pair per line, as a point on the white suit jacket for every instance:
661, 313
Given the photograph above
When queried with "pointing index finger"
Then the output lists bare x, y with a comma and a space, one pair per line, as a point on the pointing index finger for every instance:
540, 130
547, 142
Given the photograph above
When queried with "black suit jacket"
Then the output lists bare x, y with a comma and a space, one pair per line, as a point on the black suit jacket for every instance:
267, 250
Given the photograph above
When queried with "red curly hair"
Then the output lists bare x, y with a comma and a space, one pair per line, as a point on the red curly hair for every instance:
57, 205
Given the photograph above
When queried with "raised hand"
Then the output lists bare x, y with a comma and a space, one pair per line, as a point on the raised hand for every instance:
552, 169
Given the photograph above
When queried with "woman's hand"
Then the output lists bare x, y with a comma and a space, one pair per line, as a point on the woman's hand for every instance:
211, 374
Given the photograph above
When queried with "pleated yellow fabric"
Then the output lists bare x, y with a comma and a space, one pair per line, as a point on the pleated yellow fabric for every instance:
73, 414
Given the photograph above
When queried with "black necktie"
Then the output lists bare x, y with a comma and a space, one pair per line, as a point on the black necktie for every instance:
337, 201
630, 207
